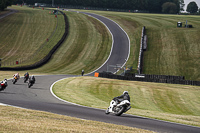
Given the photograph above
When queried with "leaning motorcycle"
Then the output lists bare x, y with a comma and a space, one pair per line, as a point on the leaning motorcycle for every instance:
14, 80
30, 83
118, 108
2, 86
26, 78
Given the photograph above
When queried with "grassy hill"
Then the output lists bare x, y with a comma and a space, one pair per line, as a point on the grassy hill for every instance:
175, 103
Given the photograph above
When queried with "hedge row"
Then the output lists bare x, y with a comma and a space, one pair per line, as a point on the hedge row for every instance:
151, 78
48, 56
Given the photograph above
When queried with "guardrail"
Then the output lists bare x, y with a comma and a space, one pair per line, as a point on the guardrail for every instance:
143, 47
170, 79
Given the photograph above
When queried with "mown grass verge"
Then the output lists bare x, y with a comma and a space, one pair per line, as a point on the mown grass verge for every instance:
175, 103
23, 120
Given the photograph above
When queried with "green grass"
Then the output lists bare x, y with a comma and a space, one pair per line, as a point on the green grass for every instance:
175, 103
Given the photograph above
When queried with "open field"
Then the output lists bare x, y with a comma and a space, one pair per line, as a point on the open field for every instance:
175, 103
23, 120
171, 50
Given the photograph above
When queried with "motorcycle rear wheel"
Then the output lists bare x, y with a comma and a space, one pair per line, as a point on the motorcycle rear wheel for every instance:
121, 111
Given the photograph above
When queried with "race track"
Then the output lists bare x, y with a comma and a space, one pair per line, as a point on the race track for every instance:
39, 97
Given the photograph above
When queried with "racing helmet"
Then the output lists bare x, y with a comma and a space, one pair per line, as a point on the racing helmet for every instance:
125, 92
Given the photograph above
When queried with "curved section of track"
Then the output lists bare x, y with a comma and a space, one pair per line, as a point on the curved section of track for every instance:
39, 97
121, 45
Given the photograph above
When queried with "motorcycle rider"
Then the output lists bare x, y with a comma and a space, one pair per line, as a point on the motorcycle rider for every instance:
16, 75
26, 76
32, 79
124, 96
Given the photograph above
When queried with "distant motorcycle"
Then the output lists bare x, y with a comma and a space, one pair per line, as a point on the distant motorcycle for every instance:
31, 81
14, 80
3, 86
118, 108
26, 78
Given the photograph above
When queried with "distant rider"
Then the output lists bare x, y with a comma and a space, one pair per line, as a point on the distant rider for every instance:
82, 73
32, 79
16, 75
26, 75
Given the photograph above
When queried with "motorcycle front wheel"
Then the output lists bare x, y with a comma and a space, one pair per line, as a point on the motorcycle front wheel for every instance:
14, 81
29, 85
107, 111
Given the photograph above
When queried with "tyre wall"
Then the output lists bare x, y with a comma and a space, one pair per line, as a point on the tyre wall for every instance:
151, 78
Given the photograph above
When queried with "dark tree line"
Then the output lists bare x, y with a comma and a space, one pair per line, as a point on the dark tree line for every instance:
192, 7
5, 3
147, 5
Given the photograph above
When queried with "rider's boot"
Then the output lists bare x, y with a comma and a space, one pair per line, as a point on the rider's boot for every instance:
129, 107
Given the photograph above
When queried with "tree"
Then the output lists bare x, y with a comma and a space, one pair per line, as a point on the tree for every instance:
169, 7
192, 7
182, 5
154, 6
5, 3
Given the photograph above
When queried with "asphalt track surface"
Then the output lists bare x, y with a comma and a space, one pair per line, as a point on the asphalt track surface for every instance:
39, 97
120, 46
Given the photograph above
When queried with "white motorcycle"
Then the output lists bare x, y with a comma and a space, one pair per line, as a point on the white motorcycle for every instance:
118, 108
